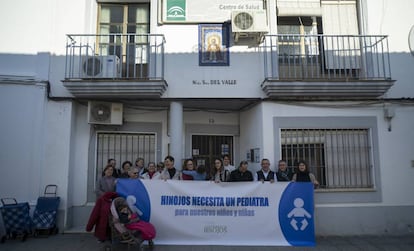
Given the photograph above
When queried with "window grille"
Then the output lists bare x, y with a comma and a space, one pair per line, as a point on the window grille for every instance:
209, 147
123, 147
339, 158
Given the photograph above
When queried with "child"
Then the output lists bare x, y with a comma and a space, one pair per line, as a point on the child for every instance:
132, 222
125, 215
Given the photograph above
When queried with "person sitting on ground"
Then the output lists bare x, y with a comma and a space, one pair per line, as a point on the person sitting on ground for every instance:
241, 173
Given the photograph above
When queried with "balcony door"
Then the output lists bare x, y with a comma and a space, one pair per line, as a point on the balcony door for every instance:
299, 47
205, 148
123, 31
342, 52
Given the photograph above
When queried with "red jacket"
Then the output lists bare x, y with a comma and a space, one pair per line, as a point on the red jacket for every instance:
100, 216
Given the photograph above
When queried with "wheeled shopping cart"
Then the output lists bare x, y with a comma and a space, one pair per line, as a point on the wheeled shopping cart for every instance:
16, 218
45, 213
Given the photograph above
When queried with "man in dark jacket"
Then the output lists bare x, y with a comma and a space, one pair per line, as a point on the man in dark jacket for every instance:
241, 173
265, 174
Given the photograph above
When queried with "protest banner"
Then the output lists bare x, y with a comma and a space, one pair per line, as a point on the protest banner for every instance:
238, 213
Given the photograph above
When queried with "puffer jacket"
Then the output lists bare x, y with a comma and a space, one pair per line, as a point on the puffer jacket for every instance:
99, 217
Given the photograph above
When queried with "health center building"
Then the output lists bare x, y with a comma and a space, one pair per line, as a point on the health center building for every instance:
327, 81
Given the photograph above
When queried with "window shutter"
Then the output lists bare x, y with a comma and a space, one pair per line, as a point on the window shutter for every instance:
339, 17
299, 8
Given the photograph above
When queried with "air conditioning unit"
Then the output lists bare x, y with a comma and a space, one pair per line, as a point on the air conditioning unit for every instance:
249, 21
100, 67
105, 113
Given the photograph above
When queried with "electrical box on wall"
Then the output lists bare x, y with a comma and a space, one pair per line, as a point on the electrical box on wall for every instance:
254, 155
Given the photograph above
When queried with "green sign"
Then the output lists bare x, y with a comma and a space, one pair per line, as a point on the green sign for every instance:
176, 10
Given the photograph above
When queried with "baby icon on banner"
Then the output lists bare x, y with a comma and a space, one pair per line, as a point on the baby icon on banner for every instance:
296, 214
299, 214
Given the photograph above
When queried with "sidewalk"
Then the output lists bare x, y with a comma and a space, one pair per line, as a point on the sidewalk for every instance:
86, 242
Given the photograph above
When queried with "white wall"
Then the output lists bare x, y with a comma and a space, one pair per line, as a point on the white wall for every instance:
79, 151
42, 27
397, 154
58, 143
251, 129
22, 136
391, 18
182, 71
39, 26
203, 117
394, 18
396, 148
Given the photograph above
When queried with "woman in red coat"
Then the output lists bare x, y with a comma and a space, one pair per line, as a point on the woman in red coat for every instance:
100, 216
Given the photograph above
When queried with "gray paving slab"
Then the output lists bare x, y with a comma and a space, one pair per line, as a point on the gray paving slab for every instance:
87, 242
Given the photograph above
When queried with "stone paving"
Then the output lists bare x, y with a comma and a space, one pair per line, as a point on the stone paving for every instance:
87, 242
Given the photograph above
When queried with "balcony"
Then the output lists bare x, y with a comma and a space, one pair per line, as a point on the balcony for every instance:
115, 65
326, 66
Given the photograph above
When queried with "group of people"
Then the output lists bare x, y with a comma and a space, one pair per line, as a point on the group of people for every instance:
221, 171
107, 182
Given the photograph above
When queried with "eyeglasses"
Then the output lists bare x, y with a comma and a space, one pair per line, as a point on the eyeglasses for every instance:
135, 173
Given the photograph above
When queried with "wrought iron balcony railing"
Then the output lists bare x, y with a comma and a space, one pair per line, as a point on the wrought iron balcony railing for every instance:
326, 57
115, 56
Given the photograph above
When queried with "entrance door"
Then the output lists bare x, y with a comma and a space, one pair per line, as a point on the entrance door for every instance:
205, 148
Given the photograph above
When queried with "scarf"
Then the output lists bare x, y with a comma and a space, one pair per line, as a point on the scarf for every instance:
284, 175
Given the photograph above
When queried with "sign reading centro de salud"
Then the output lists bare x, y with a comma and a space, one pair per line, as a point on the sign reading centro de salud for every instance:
227, 213
205, 11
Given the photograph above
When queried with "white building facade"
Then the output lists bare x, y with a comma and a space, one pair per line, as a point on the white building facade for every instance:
327, 81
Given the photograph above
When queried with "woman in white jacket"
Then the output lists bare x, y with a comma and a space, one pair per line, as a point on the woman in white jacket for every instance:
152, 173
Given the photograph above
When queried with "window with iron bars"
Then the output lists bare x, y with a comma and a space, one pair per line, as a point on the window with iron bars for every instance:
122, 147
339, 158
